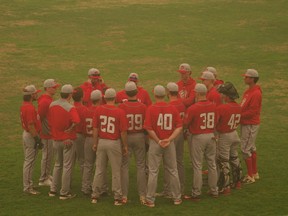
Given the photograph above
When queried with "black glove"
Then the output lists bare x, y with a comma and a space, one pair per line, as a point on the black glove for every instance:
38, 143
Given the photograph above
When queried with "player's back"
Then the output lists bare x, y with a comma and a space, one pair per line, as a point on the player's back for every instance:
229, 116
135, 113
179, 105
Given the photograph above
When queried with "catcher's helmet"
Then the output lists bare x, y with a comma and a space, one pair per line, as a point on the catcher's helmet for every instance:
229, 90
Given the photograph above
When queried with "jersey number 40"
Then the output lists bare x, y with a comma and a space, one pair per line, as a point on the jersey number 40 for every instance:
165, 121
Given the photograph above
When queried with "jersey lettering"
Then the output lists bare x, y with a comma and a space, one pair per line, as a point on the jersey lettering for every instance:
165, 121
234, 121
208, 120
89, 128
107, 124
135, 121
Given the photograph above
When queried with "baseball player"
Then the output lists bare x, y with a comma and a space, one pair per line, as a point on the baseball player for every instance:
200, 119
63, 118
217, 82
110, 134
94, 82
186, 85
172, 93
135, 113
229, 115
44, 101
31, 141
89, 153
142, 95
208, 80
250, 120
163, 124
80, 128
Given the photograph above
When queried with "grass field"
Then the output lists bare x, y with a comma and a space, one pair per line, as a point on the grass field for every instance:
63, 39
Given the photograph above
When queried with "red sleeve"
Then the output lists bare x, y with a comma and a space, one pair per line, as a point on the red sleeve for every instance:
147, 122
43, 108
190, 100
123, 121
148, 101
254, 106
187, 118
74, 115
178, 120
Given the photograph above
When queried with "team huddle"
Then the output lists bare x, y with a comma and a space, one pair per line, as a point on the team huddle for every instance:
93, 125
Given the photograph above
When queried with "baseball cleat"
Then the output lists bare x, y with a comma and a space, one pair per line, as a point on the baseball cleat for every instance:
177, 201
52, 194
142, 200
248, 180
149, 204
94, 200
124, 200
118, 202
68, 196
46, 182
195, 198
225, 191
256, 176
32, 192
214, 195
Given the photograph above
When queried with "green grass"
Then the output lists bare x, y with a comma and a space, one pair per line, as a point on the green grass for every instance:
63, 39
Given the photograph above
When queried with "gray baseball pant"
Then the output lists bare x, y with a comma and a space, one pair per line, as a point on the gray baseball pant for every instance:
47, 157
248, 139
203, 145
29, 160
79, 146
108, 150
136, 146
227, 148
155, 155
64, 162
89, 162
179, 147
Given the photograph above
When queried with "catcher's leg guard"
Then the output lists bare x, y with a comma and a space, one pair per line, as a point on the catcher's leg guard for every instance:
236, 169
224, 173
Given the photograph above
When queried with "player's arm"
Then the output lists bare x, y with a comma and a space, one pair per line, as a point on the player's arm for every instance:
254, 107
75, 120
153, 135
95, 139
124, 143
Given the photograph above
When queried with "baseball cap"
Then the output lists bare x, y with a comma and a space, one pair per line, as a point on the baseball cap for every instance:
212, 69
94, 73
200, 88
96, 95
184, 67
229, 90
133, 77
207, 75
50, 83
67, 89
251, 73
29, 90
130, 86
172, 87
110, 93
159, 90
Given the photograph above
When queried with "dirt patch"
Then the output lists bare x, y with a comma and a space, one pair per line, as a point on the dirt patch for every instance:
282, 48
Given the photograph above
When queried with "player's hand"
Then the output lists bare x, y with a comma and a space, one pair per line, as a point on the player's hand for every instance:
164, 143
94, 147
38, 143
124, 151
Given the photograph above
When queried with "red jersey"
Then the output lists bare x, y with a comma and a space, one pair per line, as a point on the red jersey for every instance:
214, 96
87, 88
110, 122
251, 106
163, 119
178, 104
186, 91
61, 116
29, 115
229, 116
81, 110
142, 96
201, 117
135, 113
44, 102
90, 112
